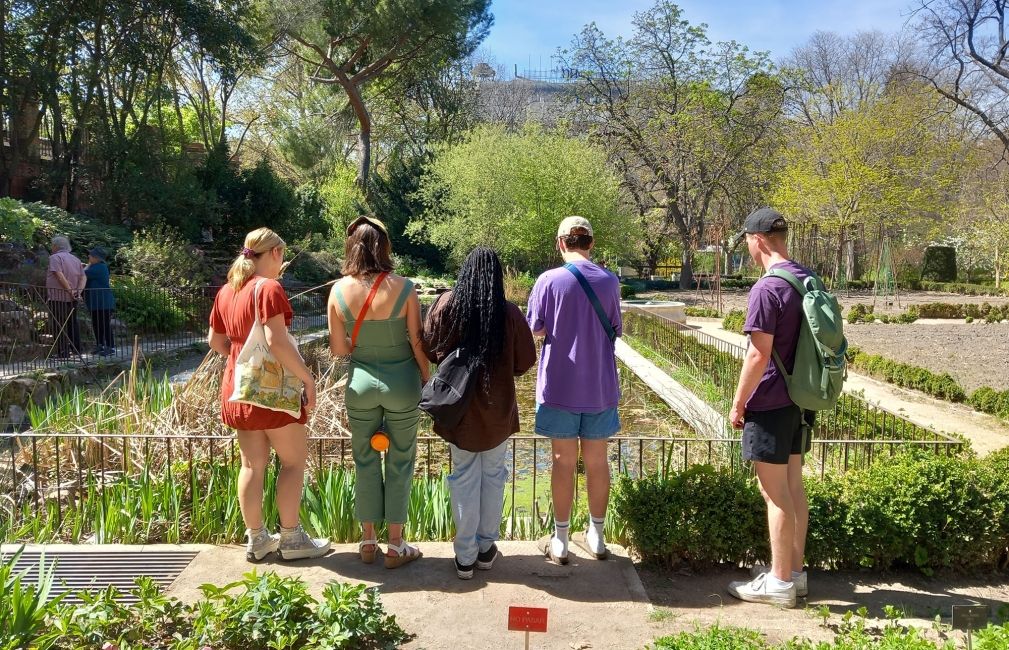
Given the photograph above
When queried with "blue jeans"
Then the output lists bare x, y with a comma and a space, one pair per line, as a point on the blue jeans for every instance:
477, 485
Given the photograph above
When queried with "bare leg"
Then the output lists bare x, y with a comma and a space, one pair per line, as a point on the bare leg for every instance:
773, 480
291, 444
562, 476
597, 470
801, 506
255, 449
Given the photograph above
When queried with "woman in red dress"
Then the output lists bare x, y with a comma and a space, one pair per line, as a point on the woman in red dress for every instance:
260, 429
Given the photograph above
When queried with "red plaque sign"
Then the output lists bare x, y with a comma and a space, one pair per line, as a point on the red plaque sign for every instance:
527, 619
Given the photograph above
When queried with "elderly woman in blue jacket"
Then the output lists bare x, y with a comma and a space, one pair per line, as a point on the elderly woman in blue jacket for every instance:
100, 301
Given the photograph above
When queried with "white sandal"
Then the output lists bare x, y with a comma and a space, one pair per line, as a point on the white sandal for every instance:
368, 556
405, 555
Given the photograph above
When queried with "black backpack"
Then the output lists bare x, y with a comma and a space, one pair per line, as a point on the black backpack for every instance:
447, 395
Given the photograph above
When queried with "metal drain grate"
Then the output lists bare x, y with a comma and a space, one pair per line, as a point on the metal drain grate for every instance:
85, 570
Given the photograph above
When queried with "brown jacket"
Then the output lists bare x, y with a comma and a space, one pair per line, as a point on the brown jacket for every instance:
493, 415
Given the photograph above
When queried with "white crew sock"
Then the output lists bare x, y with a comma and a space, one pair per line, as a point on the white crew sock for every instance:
594, 537
778, 585
559, 542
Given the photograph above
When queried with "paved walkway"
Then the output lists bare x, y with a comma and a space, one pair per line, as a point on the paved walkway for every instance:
985, 432
591, 604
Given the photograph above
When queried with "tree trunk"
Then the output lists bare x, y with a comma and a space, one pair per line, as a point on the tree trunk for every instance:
687, 265
363, 158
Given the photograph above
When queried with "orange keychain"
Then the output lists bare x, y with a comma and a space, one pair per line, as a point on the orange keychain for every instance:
380, 441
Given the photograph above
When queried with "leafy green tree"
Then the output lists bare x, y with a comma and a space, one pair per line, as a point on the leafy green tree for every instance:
354, 44
891, 162
509, 191
678, 115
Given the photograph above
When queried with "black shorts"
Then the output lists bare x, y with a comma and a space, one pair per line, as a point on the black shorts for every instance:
773, 436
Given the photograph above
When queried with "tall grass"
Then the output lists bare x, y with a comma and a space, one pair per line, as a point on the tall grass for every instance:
200, 506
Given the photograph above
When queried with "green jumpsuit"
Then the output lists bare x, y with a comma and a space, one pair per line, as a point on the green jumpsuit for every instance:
383, 383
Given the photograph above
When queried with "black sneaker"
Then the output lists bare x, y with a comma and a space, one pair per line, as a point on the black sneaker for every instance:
464, 571
485, 560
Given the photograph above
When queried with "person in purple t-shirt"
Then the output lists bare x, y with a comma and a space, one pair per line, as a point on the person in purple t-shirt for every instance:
576, 385
774, 428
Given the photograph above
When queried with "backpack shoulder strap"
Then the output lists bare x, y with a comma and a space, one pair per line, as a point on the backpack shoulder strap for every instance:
611, 331
789, 277
401, 300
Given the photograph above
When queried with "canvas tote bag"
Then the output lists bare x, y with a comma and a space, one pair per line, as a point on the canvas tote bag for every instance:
261, 380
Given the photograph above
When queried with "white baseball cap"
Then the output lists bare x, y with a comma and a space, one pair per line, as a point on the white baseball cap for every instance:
570, 223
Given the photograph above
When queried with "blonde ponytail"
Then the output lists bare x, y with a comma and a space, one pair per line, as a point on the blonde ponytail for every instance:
257, 242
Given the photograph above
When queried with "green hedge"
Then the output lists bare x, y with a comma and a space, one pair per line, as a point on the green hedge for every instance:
962, 288
860, 313
734, 321
918, 509
990, 313
701, 312
939, 264
699, 516
146, 309
989, 400
942, 386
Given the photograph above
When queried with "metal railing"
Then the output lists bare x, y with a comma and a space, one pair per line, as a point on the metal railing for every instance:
45, 475
39, 333
710, 367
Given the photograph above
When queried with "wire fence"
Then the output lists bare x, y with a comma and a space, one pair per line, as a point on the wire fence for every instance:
43, 328
76, 486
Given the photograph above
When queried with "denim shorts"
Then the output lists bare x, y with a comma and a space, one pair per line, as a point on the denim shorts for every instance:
564, 425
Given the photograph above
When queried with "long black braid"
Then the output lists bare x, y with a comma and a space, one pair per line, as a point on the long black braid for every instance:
477, 312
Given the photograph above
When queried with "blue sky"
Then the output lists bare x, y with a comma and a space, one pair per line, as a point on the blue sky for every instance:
525, 29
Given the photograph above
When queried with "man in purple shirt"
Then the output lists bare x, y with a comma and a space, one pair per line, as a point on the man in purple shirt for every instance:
64, 283
576, 385
775, 433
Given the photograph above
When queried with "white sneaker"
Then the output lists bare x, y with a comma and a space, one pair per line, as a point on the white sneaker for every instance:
759, 591
800, 581
260, 545
295, 544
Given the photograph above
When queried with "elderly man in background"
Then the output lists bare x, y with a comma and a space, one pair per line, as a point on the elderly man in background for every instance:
64, 284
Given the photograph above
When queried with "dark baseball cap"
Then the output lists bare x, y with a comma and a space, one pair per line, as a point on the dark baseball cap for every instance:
98, 252
764, 220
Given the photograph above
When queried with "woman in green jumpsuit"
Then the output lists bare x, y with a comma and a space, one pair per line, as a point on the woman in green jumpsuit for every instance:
387, 369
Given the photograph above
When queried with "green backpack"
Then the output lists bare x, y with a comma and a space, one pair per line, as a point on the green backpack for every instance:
820, 365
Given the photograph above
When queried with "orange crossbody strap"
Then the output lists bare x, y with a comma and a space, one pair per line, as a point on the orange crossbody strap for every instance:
364, 309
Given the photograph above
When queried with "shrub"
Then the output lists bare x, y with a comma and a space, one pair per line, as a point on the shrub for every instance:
924, 510
627, 292
939, 264
918, 509
146, 309
734, 321
84, 232
942, 386
963, 288
518, 285
860, 313
989, 400
316, 267
163, 259
17, 225
699, 516
701, 312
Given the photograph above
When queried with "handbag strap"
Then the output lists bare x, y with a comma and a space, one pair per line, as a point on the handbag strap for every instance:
365, 307
255, 299
611, 332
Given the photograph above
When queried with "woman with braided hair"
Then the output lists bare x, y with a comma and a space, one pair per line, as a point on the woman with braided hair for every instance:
476, 316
